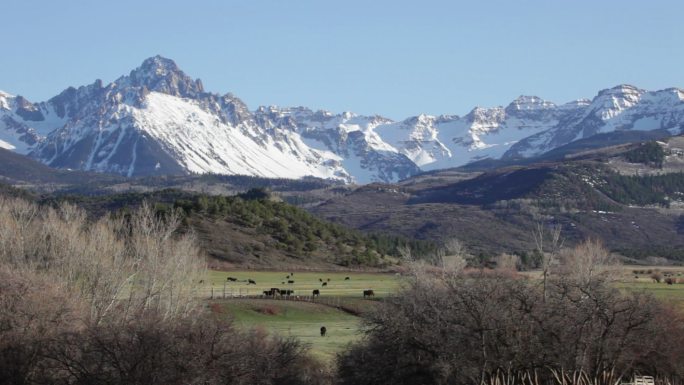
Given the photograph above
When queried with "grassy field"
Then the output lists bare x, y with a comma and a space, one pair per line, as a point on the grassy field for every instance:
304, 283
302, 319
299, 319
642, 281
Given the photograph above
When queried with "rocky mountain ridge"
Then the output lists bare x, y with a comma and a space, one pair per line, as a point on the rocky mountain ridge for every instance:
157, 120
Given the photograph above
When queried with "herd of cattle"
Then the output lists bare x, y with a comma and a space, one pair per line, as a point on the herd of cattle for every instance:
277, 292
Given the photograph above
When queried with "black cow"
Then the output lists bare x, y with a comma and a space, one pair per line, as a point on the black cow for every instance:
368, 293
268, 293
231, 279
286, 292
323, 331
251, 282
275, 290
316, 293
320, 279
346, 278
290, 281
328, 279
324, 284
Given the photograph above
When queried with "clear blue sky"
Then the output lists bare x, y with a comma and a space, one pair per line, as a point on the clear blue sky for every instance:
395, 58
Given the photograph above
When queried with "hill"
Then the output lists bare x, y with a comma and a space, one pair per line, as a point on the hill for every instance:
639, 214
258, 230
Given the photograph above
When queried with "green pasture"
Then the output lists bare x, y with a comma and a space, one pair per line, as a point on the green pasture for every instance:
339, 300
304, 283
642, 281
662, 291
298, 319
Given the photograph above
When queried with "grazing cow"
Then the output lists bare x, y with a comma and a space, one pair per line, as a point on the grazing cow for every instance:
669, 281
328, 279
251, 282
286, 292
282, 283
290, 281
368, 293
287, 277
316, 293
323, 331
347, 278
201, 281
324, 284
320, 279
231, 279
275, 290
268, 293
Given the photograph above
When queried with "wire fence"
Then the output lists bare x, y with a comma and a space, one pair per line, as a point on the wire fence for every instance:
353, 301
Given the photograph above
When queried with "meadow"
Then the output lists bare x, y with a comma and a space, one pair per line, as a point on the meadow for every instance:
337, 308
382, 284
342, 300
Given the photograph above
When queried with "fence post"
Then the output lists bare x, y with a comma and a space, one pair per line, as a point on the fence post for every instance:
212, 291
224, 290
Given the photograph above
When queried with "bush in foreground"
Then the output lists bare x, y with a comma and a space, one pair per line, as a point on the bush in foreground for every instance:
494, 328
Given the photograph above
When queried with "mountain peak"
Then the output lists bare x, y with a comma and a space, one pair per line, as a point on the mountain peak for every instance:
159, 65
529, 103
622, 89
161, 74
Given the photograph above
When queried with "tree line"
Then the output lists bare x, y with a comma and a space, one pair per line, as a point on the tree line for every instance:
649, 153
298, 231
644, 190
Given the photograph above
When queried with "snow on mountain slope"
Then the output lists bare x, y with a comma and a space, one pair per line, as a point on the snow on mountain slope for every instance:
23, 124
620, 108
202, 143
157, 120
364, 153
449, 141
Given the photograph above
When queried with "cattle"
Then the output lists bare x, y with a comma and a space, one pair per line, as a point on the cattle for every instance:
282, 283
324, 284
316, 293
201, 281
368, 293
290, 281
320, 279
231, 279
251, 282
287, 277
286, 292
275, 290
323, 331
268, 293
347, 278
328, 279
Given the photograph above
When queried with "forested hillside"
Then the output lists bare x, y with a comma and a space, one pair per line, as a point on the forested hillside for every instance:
255, 228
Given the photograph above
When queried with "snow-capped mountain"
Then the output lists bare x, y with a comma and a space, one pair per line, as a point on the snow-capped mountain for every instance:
617, 109
157, 120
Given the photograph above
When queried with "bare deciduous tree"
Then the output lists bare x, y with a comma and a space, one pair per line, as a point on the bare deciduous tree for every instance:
507, 261
588, 261
548, 243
